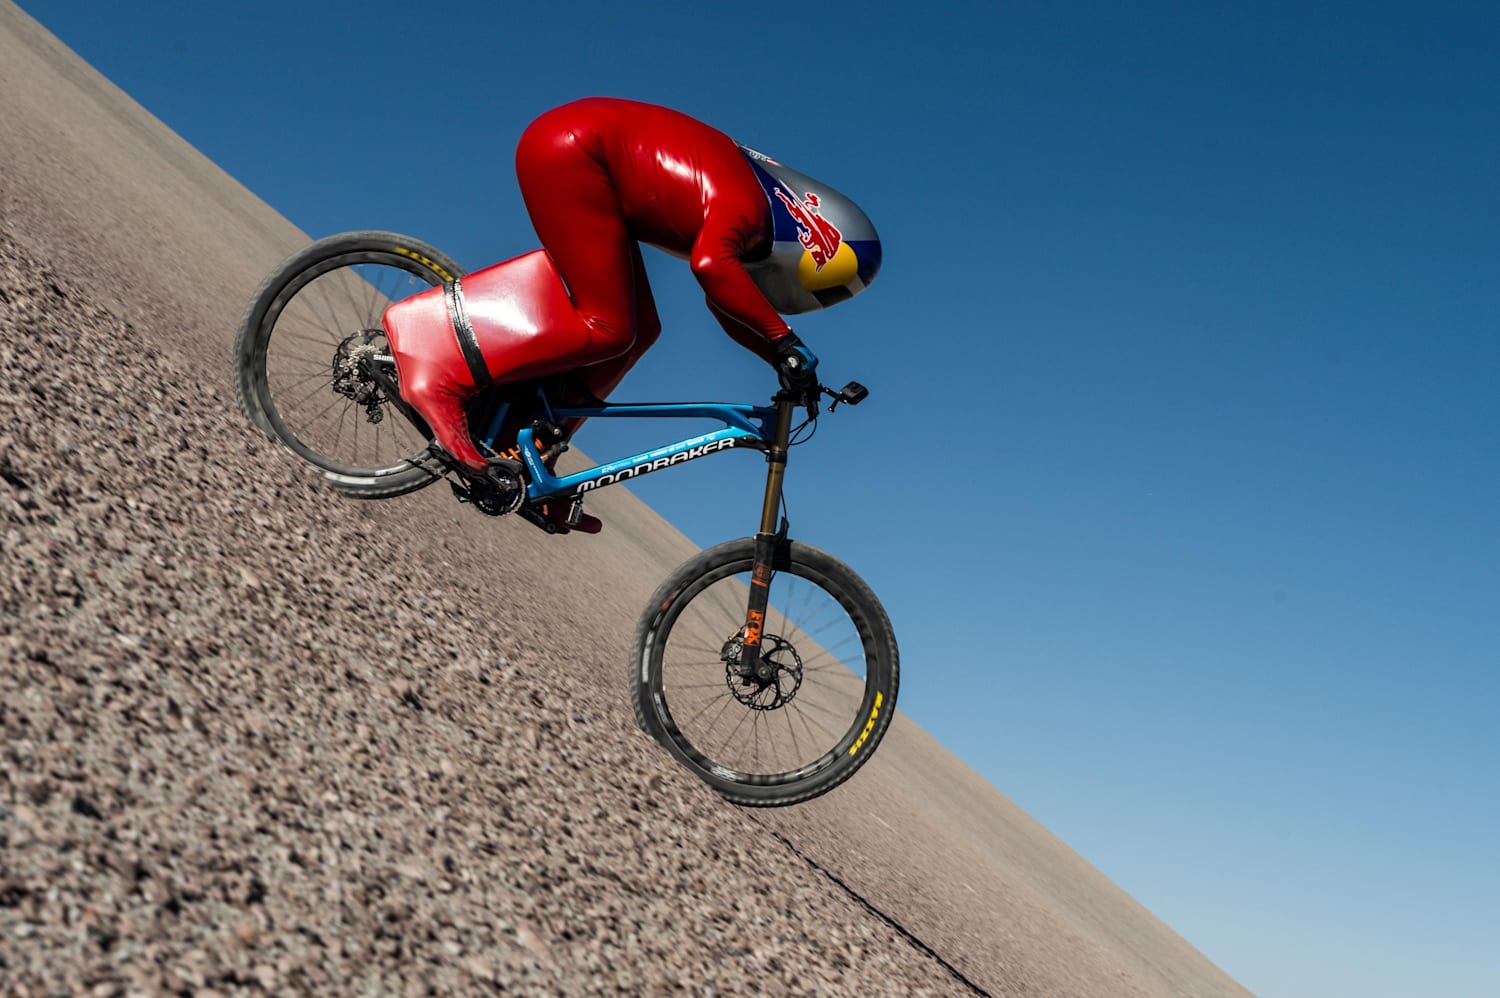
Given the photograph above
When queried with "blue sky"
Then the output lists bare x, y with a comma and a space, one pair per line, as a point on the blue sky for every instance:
1179, 475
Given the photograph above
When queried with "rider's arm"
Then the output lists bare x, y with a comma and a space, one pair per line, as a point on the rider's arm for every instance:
744, 335
773, 353
735, 300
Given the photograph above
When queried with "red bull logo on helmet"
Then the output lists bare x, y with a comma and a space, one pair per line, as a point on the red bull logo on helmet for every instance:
823, 248
820, 237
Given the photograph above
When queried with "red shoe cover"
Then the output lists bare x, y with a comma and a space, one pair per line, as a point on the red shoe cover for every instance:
435, 379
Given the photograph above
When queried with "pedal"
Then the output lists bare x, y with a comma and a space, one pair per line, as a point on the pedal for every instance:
575, 511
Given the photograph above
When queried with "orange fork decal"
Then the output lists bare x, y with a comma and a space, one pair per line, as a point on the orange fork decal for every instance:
752, 627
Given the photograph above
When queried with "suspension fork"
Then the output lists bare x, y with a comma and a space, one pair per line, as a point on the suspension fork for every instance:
767, 540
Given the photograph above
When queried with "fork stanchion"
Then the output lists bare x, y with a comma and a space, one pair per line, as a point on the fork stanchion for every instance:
751, 666
776, 458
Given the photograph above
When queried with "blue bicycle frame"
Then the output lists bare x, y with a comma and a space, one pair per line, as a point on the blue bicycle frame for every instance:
744, 426
764, 428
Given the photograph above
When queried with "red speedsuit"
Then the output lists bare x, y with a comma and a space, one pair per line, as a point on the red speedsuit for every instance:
599, 176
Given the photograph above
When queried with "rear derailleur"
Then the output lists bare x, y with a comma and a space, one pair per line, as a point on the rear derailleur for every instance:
353, 375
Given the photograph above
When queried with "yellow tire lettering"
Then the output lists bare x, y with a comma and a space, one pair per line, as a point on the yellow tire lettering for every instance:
869, 725
414, 255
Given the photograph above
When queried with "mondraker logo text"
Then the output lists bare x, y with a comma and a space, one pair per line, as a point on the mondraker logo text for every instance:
690, 454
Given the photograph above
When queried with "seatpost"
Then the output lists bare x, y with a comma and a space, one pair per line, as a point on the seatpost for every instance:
751, 665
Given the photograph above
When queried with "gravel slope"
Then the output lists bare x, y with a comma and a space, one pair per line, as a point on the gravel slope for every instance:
258, 737
251, 742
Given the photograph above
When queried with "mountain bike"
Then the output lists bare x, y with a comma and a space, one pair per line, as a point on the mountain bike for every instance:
763, 664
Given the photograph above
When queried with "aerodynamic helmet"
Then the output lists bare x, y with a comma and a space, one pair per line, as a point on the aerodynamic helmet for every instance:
823, 248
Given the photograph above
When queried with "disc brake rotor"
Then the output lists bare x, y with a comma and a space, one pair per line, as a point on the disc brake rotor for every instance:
763, 694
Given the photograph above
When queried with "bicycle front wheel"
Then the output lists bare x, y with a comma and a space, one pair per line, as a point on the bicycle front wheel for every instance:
799, 733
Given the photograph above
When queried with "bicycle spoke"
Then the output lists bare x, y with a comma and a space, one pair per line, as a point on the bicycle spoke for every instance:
302, 379
337, 401
359, 313
808, 721
702, 650
792, 730
726, 697
316, 391
356, 422
281, 335
340, 434
331, 323
739, 724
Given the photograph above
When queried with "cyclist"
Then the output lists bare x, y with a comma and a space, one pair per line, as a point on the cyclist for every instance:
600, 176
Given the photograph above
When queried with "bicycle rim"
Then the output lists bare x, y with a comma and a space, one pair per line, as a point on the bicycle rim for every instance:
800, 726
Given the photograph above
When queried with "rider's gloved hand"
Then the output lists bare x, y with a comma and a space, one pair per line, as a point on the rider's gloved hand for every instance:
797, 365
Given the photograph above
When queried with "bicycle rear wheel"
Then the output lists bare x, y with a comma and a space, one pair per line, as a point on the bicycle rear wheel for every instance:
766, 742
314, 370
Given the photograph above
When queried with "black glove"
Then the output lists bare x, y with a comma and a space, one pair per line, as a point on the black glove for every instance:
797, 365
